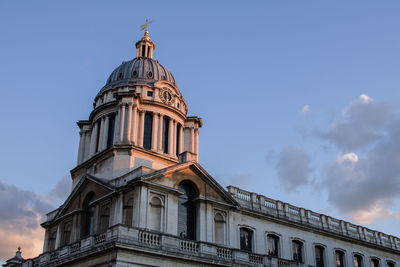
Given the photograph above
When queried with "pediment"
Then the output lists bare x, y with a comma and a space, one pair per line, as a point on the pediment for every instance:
207, 186
86, 185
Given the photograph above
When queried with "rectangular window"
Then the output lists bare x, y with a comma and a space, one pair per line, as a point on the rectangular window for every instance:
272, 245
150, 93
319, 256
246, 238
148, 129
297, 247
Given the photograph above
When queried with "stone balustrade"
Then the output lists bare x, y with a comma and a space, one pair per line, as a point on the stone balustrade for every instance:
145, 239
281, 210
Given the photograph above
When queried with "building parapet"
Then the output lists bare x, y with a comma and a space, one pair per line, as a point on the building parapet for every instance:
281, 210
154, 242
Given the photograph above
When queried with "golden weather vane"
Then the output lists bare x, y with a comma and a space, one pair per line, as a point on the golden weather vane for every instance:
144, 26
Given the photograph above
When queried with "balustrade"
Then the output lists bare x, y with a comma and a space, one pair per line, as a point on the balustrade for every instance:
224, 253
149, 238
189, 246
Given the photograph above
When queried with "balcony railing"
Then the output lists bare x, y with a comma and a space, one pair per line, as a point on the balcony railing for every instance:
152, 241
276, 208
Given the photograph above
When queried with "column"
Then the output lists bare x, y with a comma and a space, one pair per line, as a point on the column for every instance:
86, 147
181, 140
196, 141
128, 124
122, 124
105, 132
160, 131
116, 125
173, 141
192, 140
93, 138
81, 145
154, 134
170, 138
134, 125
141, 128
101, 133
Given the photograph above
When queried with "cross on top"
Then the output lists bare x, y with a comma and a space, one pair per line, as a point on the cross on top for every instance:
144, 26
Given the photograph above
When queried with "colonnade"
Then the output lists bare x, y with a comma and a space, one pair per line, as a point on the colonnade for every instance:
129, 124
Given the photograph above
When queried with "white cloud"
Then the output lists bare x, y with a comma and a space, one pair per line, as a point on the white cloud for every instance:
306, 109
364, 180
365, 98
349, 157
359, 125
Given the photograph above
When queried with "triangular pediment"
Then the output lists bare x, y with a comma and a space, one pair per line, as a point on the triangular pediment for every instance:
86, 185
208, 187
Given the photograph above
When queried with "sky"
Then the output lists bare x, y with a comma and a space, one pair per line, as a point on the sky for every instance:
299, 99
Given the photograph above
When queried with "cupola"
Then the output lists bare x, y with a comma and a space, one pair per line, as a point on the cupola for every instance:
145, 47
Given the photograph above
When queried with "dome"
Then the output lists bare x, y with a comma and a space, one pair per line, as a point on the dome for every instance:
140, 69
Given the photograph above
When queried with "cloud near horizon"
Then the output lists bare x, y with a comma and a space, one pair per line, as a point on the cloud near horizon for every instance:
23, 211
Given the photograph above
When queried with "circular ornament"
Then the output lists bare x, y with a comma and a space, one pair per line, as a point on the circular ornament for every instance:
166, 96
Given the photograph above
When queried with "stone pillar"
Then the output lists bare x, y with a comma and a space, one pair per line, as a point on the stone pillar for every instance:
101, 125
58, 237
105, 132
122, 124
129, 124
141, 128
170, 138
192, 140
46, 241
174, 134
196, 141
116, 125
181, 140
154, 134
160, 132
93, 138
134, 125
81, 147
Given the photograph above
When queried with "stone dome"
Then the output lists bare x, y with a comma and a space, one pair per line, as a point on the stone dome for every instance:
140, 69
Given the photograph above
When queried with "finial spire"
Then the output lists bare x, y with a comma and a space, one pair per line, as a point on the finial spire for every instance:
146, 31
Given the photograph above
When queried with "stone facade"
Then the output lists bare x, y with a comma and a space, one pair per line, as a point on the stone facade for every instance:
140, 197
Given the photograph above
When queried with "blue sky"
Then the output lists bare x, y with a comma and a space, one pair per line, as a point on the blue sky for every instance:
299, 99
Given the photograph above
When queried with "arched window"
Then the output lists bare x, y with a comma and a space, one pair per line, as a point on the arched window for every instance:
219, 228
374, 262
155, 214
246, 239
165, 133
88, 216
104, 218
390, 264
66, 235
128, 212
357, 260
178, 137
111, 127
273, 243
297, 248
339, 258
148, 129
319, 256
187, 211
